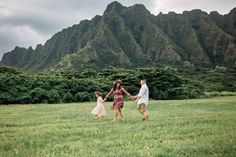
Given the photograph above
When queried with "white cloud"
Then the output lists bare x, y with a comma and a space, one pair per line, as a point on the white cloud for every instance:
28, 35
23, 36
181, 5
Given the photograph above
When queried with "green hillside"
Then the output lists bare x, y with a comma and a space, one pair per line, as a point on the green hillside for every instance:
133, 37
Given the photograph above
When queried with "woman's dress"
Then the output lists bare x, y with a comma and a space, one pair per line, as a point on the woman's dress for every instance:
118, 97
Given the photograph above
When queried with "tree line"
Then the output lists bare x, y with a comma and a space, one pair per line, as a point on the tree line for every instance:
20, 87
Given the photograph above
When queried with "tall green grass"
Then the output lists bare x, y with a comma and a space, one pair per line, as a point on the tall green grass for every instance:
202, 127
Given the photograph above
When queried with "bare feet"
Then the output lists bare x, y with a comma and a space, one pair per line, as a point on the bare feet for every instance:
145, 118
98, 117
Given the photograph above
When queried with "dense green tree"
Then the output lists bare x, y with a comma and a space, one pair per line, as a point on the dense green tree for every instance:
18, 87
68, 98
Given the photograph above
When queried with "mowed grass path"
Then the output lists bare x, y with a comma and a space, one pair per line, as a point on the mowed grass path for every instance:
201, 127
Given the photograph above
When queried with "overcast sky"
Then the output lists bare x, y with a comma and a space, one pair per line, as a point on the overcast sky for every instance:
30, 22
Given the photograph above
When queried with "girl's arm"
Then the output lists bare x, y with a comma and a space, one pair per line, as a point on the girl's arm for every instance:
100, 99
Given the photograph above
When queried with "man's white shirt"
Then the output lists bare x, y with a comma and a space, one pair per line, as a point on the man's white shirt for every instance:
144, 94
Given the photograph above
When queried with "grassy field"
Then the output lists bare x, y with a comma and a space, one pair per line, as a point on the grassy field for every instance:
202, 127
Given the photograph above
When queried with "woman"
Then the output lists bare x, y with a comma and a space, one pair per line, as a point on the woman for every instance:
118, 90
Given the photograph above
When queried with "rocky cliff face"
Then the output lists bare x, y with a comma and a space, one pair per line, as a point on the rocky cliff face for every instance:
130, 37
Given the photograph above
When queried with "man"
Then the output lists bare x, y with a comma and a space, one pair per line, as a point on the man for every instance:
142, 99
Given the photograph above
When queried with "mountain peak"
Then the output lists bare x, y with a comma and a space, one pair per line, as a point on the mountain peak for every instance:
114, 6
30, 48
19, 48
233, 11
139, 8
195, 11
214, 13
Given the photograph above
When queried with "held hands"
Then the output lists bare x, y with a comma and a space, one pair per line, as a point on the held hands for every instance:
133, 97
136, 98
130, 97
105, 99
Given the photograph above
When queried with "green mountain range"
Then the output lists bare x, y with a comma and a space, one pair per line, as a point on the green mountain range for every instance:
133, 37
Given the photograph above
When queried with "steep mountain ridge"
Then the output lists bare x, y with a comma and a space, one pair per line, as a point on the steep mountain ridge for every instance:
131, 37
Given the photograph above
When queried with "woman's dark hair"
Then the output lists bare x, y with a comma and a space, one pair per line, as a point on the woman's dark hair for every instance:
115, 85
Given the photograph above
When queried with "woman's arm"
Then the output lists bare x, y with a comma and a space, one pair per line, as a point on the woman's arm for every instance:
109, 94
127, 93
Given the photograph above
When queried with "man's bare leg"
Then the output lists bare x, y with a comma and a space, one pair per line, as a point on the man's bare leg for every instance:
140, 109
143, 109
145, 115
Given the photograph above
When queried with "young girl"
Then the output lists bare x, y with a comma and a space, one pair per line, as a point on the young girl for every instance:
99, 110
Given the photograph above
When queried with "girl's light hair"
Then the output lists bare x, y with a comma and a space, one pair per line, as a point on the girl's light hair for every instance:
98, 93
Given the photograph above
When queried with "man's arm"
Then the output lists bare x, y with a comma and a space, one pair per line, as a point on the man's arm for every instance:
136, 97
140, 94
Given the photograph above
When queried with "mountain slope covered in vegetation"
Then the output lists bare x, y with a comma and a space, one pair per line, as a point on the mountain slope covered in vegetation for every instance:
133, 37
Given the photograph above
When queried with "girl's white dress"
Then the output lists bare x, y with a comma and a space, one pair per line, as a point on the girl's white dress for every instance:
99, 110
